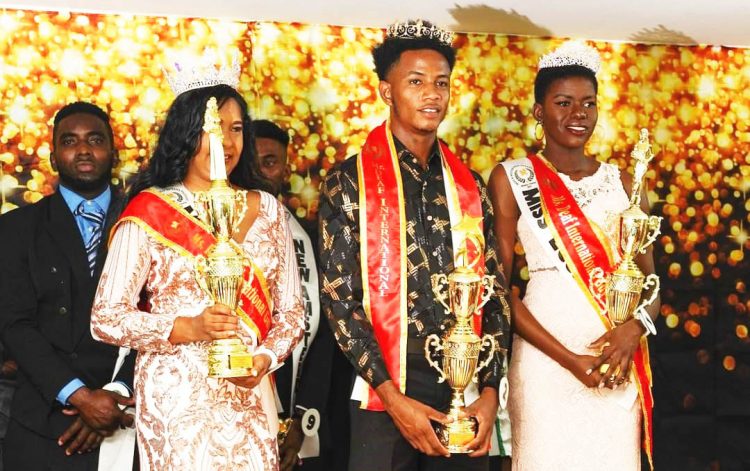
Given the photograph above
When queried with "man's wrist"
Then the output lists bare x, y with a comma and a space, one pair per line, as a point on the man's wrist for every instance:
489, 392
78, 397
388, 392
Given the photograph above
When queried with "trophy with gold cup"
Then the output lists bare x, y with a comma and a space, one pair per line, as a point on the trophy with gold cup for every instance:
462, 293
637, 231
220, 272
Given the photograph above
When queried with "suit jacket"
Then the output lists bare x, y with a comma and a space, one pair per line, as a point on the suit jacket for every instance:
46, 293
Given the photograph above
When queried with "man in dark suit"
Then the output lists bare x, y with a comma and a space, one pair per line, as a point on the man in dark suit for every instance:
314, 399
50, 261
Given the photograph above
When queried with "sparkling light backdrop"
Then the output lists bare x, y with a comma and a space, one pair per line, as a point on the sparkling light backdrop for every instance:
318, 82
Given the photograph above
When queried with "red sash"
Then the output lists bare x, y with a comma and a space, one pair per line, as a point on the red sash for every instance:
383, 244
584, 248
172, 226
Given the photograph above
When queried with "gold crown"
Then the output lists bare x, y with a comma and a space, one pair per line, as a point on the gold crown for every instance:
573, 52
189, 72
419, 29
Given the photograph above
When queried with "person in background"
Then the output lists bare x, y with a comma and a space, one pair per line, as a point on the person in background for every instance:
313, 398
52, 256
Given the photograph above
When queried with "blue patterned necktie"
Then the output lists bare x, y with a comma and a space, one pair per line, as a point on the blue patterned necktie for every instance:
94, 220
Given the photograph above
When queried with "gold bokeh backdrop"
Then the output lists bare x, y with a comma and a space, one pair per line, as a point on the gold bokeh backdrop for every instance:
318, 82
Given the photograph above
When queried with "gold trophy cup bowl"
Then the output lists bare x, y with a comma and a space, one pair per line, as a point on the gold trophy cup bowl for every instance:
460, 348
624, 290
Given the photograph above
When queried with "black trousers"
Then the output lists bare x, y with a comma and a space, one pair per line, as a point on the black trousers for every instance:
24, 450
376, 443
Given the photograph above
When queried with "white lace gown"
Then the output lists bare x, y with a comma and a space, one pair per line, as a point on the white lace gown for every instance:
557, 422
184, 419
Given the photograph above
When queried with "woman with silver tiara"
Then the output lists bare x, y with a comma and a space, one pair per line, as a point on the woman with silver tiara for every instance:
579, 389
186, 420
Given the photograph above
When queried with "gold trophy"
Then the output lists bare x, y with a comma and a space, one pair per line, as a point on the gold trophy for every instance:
220, 272
637, 232
460, 346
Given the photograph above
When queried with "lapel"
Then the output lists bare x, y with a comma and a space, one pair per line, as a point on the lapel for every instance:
62, 227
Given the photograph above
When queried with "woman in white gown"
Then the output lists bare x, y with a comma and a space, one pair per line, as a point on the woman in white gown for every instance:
184, 419
566, 412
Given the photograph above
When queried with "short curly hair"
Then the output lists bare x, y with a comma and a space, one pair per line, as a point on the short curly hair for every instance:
387, 53
83, 107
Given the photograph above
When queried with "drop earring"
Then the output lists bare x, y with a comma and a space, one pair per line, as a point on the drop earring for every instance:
539, 131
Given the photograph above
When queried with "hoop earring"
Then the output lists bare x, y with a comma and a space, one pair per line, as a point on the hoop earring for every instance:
539, 137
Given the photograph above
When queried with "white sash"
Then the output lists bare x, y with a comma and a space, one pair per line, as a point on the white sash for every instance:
526, 191
308, 272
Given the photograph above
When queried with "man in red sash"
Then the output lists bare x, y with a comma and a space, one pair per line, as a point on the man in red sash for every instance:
388, 219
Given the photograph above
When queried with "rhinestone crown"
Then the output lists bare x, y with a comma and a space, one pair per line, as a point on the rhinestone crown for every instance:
574, 52
419, 29
191, 72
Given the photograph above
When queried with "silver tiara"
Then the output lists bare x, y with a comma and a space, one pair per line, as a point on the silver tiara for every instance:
191, 72
417, 29
573, 52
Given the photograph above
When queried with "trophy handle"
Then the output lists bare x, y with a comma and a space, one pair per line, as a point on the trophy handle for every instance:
654, 227
240, 205
200, 200
597, 281
487, 341
651, 280
438, 281
487, 284
201, 265
434, 340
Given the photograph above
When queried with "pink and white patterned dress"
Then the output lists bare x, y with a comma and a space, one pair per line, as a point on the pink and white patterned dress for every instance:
184, 419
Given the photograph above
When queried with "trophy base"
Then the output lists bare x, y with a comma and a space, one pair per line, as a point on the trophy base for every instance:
457, 434
229, 358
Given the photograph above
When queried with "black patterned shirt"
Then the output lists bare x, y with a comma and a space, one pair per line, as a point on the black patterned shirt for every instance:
429, 251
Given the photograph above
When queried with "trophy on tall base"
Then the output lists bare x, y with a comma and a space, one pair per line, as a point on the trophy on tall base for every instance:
462, 293
220, 272
637, 231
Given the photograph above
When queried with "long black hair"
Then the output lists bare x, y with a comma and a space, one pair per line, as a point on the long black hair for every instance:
180, 140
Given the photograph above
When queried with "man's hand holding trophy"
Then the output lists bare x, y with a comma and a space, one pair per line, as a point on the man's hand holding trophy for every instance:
462, 293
